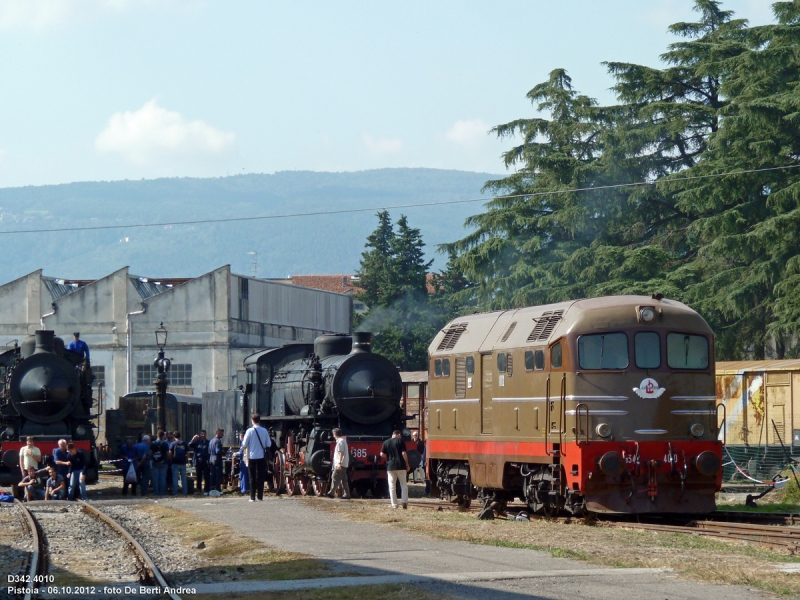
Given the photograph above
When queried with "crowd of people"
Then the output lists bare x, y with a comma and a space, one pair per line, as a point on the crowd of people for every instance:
63, 479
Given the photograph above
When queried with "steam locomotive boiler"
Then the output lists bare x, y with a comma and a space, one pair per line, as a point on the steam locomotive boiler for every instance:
303, 392
46, 393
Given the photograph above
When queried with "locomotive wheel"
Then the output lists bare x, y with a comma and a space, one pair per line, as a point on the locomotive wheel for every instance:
319, 486
278, 472
304, 485
291, 485
463, 502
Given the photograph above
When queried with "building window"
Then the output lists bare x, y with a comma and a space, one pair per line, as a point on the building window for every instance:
179, 375
244, 299
99, 373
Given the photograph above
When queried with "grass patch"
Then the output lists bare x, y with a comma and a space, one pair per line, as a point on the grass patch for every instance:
689, 556
367, 592
229, 550
775, 507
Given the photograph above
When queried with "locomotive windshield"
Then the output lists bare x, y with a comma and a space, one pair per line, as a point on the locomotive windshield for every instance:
686, 351
603, 351
647, 346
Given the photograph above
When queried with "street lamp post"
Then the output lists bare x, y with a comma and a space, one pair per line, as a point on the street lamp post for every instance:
162, 380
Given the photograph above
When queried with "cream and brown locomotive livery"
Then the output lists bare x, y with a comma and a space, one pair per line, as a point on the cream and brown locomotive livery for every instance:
605, 404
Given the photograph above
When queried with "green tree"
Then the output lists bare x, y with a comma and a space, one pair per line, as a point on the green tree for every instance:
393, 275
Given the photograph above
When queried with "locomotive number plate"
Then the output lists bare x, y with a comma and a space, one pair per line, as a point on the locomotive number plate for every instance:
358, 452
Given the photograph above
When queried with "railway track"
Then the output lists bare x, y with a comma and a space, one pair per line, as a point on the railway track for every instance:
772, 529
79, 551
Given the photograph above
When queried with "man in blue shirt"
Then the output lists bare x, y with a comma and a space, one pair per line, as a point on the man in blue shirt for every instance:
61, 459
78, 345
143, 453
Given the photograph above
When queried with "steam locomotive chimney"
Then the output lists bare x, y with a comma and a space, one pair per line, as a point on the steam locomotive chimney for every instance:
44, 341
362, 342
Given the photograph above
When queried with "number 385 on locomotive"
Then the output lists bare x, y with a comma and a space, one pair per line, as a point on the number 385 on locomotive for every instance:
605, 404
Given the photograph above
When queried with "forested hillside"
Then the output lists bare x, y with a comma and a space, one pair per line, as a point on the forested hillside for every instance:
316, 244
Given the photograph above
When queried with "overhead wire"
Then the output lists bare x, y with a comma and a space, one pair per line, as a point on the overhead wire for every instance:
318, 213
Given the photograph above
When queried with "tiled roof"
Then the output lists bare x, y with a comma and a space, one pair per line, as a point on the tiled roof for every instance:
342, 284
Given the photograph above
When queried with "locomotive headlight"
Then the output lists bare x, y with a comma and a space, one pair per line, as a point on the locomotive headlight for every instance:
80, 430
603, 430
9, 431
647, 314
697, 430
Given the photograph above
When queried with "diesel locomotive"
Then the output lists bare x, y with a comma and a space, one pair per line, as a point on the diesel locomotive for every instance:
605, 405
46, 393
303, 392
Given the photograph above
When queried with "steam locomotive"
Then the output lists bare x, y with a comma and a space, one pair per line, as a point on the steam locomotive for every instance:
46, 393
604, 404
303, 392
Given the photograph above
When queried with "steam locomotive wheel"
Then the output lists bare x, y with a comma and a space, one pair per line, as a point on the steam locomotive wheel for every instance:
319, 486
278, 472
304, 485
291, 485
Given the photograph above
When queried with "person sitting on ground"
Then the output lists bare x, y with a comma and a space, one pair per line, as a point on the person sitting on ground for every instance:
341, 460
77, 475
29, 456
33, 484
394, 451
56, 485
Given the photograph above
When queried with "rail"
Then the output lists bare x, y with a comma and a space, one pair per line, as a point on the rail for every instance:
152, 569
36, 562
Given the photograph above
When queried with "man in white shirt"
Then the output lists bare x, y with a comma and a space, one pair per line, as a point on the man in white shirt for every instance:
341, 460
256, 441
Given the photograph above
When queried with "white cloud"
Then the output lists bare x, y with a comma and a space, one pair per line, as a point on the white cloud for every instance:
383, 145
153, 132
468, 133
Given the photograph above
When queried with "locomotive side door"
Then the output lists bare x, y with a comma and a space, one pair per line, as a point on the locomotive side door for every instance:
487, 391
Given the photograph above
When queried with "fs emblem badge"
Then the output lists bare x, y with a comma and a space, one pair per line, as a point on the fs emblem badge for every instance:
649, 388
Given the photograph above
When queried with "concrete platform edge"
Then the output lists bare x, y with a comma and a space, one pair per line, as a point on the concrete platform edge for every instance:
331, 582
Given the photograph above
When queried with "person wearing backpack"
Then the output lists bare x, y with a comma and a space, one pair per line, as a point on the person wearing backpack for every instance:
177, 456
158, 457
258, 444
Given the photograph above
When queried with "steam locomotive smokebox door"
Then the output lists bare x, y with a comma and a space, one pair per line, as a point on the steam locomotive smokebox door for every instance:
365, 392
45, 388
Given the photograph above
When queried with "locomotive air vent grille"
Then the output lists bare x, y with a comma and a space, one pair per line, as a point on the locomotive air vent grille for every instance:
461, 377
451, 336
545, 326
508, 331
509, 365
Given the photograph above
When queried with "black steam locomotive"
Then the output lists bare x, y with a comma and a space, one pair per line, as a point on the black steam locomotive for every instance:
304, 391
46, 393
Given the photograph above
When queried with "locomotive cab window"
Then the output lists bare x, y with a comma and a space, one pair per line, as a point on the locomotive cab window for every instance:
556, 356
539, 360
529, 360
603, 351
647, 348
501, 362
445, 367
470, 365
686, 351
437, 367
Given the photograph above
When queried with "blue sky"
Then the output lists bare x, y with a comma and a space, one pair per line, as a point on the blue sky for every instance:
129, 89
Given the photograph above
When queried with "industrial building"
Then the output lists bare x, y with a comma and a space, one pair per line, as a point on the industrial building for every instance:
213, 321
